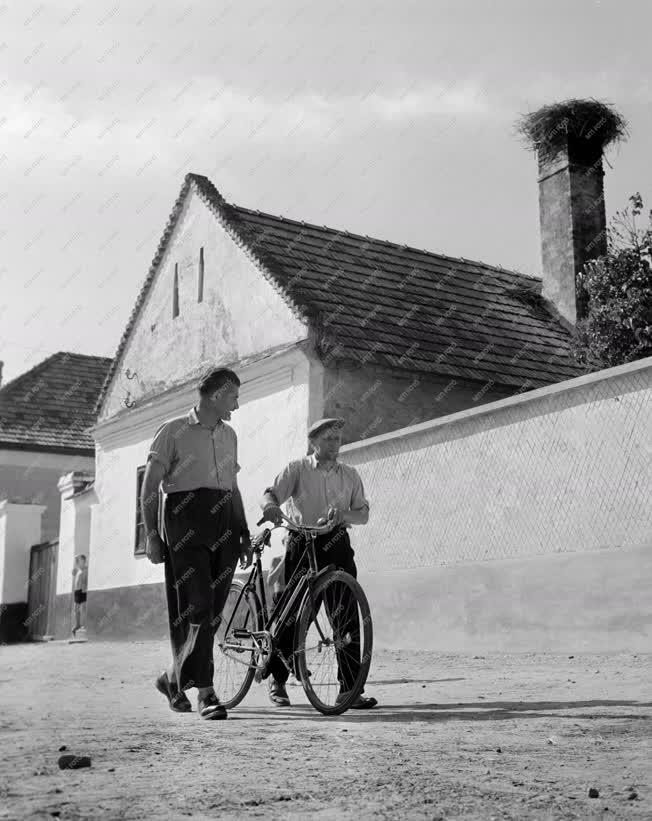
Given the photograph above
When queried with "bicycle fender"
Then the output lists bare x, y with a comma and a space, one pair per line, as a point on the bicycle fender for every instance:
328, 569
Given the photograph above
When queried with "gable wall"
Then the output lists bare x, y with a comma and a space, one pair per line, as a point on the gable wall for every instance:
241, 314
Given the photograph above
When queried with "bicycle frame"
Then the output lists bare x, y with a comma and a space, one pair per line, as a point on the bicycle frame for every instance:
301, 581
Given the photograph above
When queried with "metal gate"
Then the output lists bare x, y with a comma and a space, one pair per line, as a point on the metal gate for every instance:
41, 590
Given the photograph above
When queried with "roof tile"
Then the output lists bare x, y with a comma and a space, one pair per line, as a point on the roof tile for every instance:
52, 405
397, 296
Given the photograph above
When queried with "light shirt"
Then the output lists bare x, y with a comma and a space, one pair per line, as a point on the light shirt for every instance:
310, 490
195, 455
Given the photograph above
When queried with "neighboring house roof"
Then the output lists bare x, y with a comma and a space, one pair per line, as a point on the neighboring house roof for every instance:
372, 300
49, 407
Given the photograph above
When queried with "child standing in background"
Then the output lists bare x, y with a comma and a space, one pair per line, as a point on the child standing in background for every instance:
79, 589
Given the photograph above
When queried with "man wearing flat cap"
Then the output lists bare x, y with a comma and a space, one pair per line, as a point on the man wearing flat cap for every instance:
194, 458
317, 487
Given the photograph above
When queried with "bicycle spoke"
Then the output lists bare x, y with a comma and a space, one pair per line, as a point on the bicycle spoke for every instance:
335, 643
234, 658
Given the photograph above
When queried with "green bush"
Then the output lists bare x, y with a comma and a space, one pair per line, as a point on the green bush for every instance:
616, 293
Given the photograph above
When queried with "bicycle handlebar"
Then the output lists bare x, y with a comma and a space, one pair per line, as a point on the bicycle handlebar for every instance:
299, 528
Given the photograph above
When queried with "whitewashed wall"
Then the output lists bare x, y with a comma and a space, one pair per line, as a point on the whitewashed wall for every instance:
524, 524
20, 529
241, 313
564, 468
75, 525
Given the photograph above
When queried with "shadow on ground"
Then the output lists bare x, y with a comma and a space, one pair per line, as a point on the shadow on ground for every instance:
380, 681
468, 711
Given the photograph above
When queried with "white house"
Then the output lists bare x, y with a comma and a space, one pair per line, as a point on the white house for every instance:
44, 418
316, 322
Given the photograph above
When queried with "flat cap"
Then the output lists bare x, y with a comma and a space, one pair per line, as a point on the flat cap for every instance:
323, 424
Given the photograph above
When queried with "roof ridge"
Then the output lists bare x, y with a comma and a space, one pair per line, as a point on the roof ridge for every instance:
31, 372
83, 355
366, 237
225, 213
44, 362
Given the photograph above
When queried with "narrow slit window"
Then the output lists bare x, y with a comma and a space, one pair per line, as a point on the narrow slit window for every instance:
200, 283
175, 293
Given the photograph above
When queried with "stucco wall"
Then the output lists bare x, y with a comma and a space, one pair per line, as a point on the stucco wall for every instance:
32, 477
507, 511
376, 400
241, 314
20, 526
74, 536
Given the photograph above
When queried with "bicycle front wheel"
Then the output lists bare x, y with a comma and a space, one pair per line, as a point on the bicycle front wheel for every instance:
235, 657
333, 643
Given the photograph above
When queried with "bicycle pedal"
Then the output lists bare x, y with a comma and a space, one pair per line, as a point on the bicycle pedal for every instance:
261, 675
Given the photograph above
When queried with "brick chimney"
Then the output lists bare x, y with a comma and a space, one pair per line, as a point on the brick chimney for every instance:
569, 139
573, 221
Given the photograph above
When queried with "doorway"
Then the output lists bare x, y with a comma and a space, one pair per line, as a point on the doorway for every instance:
41, 590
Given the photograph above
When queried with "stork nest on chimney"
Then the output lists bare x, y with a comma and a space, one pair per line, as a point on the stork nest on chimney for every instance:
549, 130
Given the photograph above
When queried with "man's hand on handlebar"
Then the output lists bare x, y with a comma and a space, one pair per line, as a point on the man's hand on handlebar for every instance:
246, 551
334, 517
273, 513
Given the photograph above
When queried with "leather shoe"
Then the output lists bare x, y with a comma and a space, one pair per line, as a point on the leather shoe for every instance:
362, 702
177, 700
210, 707
278, 695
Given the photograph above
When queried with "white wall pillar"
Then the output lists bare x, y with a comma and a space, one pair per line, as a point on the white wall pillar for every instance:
20, 528
75, 524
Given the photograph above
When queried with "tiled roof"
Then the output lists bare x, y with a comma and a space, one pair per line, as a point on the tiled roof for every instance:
372, 300
50, 406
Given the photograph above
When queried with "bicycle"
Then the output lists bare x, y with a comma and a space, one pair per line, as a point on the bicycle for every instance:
332, 624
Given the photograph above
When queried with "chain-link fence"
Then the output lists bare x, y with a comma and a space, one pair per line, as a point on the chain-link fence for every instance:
568, 469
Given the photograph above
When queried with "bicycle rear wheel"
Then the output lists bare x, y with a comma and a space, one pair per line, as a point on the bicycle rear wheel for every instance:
333, 643
235, 658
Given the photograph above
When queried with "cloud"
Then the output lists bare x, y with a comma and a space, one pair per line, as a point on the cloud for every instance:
162, 122
432, 101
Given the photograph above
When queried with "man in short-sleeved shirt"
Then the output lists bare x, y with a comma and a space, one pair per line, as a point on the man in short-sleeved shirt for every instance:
194, 459
318, 487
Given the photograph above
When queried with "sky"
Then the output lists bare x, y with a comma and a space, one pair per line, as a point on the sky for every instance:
390, 119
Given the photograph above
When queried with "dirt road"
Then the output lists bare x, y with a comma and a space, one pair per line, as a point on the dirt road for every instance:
521, 737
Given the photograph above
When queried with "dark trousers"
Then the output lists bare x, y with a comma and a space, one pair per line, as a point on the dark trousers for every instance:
331, 548
202, 552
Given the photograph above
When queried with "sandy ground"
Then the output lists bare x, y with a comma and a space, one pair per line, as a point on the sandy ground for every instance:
455, 737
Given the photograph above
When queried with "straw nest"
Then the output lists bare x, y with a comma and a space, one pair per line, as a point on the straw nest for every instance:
550, 129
